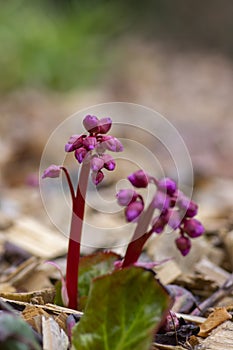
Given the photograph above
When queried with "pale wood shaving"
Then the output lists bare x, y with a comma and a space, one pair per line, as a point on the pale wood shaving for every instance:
37, 238
54, 338
168, 272
212, 271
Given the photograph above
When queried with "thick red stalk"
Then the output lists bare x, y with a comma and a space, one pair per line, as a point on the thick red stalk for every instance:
139, 238
73, 255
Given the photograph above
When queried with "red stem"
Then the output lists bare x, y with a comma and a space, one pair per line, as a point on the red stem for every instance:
139, 238
73, 255
69, 183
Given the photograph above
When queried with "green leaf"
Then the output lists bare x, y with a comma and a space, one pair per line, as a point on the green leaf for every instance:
90, 267
16, 334
123, 310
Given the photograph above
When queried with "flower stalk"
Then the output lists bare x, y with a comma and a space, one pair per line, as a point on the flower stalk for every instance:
172, 208
74, 246
89, 150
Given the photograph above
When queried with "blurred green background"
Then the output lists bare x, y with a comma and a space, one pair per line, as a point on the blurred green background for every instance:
68, 44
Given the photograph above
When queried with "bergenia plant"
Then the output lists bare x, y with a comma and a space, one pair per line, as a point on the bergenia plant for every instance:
169, 206
90, 150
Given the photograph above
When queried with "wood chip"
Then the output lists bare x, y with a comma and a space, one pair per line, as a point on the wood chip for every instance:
191, 318
217, 317
22, 271
53, 337
47, 307
45, 296
33, 316
212, 271
36, 238
7, 288
227, 238
168, 272
220, 338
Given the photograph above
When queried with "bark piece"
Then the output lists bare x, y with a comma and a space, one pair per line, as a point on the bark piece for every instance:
217, 317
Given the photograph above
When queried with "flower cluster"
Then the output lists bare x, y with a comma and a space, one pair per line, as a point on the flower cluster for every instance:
173, 208
91, 148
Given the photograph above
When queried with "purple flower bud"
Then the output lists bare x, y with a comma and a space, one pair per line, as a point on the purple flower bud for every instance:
133, 210
97, 177
90, 143
104, 125
183, 244
97, 163
80, 154
193, 228
112, 143
91, 123
109, 162
158, 224
139, 179
124, 197
74, 142
186, 204
161, 201
174, 219
167, 185
52, 171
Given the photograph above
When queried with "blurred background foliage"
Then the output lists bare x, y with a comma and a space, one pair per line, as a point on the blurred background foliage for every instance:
65, 44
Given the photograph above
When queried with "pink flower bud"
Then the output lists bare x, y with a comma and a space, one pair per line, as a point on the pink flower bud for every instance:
97, 177
193, 228
91, 123
124, 197
133, 210
111, 143
74, 142
139, 179
90, 143
104, 125
97, 163
159, 223
80, 154
174, 219
109, 162
186, 204
167, 185
52, 171
183, 244
161, 201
